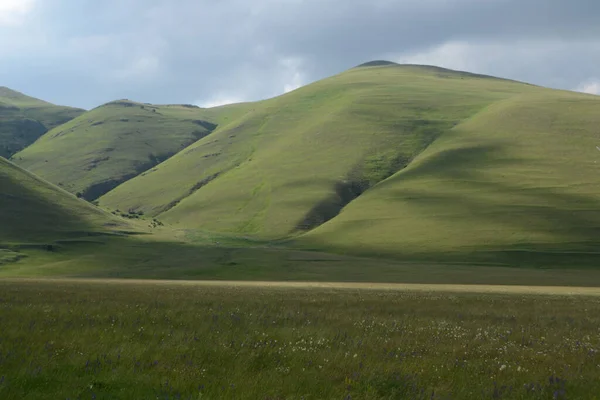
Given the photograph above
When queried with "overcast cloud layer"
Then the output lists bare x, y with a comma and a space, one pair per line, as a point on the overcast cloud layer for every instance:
208, 52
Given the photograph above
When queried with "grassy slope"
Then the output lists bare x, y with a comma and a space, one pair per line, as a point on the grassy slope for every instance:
516, 183
112, 143
24, 119
32, 210
499, 173
292, 162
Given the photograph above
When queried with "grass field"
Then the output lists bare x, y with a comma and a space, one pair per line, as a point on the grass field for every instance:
24, 119
159, 256
392, 232
121, 341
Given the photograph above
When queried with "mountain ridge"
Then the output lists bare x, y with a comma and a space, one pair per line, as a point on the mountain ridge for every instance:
23, 119
342, 95
112, 143
337, 165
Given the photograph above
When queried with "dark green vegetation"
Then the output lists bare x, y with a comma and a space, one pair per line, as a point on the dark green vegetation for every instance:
159, 256
33, 211
104, 147
127, 341
24, 119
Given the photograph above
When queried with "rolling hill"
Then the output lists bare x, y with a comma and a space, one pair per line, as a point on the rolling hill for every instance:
33, 210
24, 119
399, 161
415, 163
108, 145
517, 183
293, 162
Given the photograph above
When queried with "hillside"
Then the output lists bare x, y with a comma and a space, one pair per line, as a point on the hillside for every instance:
24, 119
517, 183
415, 163
108, 145
33, 210
293, 162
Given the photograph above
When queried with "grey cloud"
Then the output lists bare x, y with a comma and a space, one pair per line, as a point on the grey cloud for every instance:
88, 52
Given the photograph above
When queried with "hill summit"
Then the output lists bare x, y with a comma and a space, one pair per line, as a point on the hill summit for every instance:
376, 63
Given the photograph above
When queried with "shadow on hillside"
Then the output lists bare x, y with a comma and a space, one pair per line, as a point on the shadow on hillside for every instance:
347, 190
138, 258
96, 190
28, 216
567, 216
344, 192
570, 221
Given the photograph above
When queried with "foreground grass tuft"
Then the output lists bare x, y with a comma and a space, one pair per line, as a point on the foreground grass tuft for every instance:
100, 341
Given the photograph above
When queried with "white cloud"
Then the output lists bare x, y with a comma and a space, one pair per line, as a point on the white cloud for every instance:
294, 83
293, 76
483, 57
90, 44
220, 100
591, 87
166, 51
545, 62
454, 55
13, 12
142, 68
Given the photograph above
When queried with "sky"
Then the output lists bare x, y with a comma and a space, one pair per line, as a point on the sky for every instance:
210, 52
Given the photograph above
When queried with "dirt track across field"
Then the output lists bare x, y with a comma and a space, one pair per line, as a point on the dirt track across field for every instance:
408, 287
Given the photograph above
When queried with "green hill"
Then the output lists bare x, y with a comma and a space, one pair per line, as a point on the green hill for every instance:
24, 119
409, 162
517, 183
415, 163
104, 147
293, 162
33, 210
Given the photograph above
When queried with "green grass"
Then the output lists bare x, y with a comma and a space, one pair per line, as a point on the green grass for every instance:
425, 167
125, 341
160, 256
24, 119
104, 147
35, 211
294, 161
384, 173
407, 162
517, 184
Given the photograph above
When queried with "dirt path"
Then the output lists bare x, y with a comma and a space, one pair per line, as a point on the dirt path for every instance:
409, 287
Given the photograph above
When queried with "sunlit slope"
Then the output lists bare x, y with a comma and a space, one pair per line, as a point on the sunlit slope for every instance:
23, 119
32, 209
294, 161
106, 146
520, 177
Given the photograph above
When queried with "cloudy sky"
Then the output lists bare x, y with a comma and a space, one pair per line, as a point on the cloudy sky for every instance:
209, 52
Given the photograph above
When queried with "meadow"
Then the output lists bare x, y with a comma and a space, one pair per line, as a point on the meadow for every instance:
101, 340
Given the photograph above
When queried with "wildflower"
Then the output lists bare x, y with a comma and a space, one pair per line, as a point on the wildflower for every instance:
502, 367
